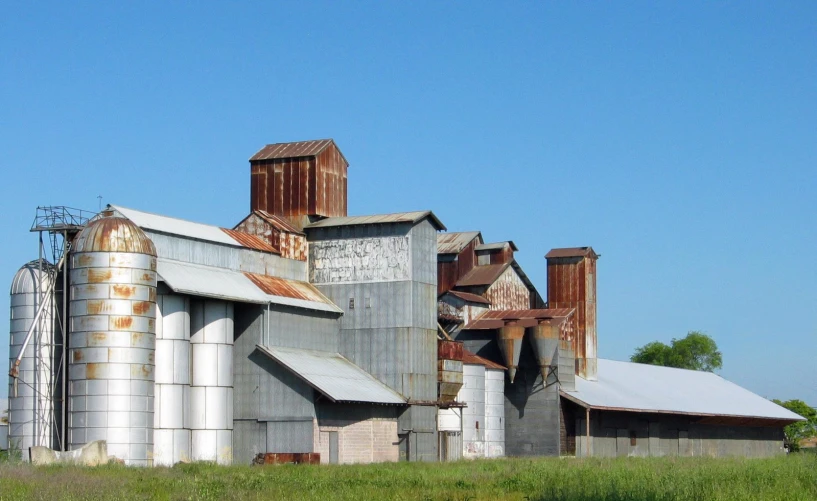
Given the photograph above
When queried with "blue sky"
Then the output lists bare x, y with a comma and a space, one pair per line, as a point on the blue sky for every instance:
679, 139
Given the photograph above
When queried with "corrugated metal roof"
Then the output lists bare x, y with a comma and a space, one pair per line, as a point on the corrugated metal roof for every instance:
648, 388
333, 375
454, 243
571, 252
495, 319
467, 296
474, 359
482, 275
293, 150
277, 222
208, 281
398, 217
494, 246
199, 231
250, 241
295, 289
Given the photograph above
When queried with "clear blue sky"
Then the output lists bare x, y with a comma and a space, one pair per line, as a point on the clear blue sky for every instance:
679, 139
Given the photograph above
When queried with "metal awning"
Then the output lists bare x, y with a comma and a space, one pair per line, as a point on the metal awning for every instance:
631, 387
333, 375
220, 283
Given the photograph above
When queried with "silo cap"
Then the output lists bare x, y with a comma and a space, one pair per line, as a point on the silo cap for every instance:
113, 234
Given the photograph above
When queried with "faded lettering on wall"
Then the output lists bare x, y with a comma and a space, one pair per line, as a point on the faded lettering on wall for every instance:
359, 260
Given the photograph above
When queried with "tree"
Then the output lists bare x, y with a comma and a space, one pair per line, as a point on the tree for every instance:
796, 432
696, 351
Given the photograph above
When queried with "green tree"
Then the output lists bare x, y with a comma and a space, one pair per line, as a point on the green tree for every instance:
796, 432
696, 351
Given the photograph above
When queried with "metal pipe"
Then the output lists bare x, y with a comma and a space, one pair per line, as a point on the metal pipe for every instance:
15, 370
587, 432
63, 354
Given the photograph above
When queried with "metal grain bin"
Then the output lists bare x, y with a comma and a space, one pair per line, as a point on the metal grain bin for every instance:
112, 339
494, 412
31, 406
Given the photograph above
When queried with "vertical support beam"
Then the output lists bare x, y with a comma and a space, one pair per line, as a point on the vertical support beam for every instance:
64, 334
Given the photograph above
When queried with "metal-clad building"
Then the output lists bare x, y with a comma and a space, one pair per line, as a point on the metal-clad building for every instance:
302, 330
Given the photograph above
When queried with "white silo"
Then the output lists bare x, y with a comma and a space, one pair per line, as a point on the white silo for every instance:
473, 416
211, 391
171, 439
112, 339
494, 411
33, 392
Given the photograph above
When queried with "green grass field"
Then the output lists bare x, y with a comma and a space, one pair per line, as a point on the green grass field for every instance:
696, 479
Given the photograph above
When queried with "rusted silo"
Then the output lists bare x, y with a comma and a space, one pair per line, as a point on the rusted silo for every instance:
510, 344
112, 340
31, 403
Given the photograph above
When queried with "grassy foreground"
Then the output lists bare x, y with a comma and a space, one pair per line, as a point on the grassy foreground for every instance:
785, 478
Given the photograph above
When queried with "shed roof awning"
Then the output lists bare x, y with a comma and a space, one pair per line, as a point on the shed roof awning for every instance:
220, 283
333, 375
627, 386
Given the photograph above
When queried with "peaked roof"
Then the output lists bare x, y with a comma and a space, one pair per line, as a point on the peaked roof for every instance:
628, 386
189, 229
455, 242
498, 245
295, 150
572, 252
273, 220
482, 275
397, 217
467, 296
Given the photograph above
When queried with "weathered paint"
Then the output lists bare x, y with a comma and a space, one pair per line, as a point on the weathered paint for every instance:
571, 281
379, 259
510, 339
276, 231
508, 292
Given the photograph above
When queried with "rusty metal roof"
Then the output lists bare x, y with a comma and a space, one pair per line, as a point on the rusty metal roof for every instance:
467, 296
221, 283
113, 234
277, 222
251, 241
287, 288
295, 150
333, 375
495, 319
496, 246
397, 217
454, 243
474, 359
571, 252
628, 386
482, 275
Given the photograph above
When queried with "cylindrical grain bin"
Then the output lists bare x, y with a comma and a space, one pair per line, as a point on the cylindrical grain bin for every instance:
473, 416
171, 440
31, 409
211, 388
112, 339
494, 412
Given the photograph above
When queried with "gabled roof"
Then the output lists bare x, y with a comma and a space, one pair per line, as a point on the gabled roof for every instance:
189, 229
397, 217
497, 246
467, 296
495, 319
627, 386
295, 150
455, 242
273, 220
333, 375
572, 252
482, 275
474, 359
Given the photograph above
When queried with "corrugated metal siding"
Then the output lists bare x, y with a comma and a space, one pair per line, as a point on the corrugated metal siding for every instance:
508, 292
274, 230
456, 242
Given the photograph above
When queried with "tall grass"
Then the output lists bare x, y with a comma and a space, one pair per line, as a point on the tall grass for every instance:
649, 479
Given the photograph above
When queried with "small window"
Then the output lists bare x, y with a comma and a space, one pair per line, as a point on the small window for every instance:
632, 439
351, 303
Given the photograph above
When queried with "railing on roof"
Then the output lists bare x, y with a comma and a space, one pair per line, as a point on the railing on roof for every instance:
60, 218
